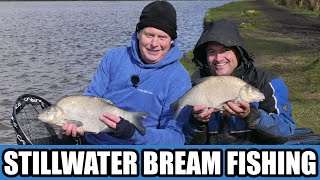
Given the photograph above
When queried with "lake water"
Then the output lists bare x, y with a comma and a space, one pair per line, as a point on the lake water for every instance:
52, 49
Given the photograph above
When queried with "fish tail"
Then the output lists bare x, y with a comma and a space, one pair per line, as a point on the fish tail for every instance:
174, 105
137, 118
176, 114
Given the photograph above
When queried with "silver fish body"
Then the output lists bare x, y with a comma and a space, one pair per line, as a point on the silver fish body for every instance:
85, 111
215, 91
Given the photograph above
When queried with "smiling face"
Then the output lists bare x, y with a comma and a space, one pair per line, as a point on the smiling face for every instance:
154, 44
221, 60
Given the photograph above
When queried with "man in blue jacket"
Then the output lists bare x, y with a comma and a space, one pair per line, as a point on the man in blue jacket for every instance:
145, 77
220, 52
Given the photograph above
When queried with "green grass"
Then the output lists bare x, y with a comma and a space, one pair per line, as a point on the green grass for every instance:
299, 68
256, 43
301, 75
235, 10
187, 62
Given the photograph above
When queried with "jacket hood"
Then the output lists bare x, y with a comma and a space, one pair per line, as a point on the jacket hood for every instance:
221, 31
173, 55
224, 32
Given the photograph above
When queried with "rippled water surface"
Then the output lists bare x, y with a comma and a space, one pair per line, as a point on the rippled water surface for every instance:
52, 49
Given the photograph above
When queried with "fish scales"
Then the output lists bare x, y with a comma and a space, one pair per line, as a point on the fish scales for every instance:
215, 91
85, 111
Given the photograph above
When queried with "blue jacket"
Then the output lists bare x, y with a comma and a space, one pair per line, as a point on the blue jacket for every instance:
273, 127
160, 85
275, 123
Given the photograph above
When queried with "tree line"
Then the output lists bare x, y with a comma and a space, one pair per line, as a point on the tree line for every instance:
313, 5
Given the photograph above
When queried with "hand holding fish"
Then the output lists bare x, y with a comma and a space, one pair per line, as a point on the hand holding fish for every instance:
79, 114
121, 128
215, 91
240, 109
71, 129
202, 113
110, 120
243, 110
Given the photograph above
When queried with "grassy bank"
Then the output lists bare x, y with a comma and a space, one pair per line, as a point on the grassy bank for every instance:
298, 67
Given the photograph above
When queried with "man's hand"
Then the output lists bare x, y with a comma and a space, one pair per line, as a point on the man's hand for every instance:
202, 113
243, 110
110, 120
123, 129
240, 110
71, 129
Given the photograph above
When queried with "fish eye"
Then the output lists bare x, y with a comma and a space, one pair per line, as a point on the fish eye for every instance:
48, 113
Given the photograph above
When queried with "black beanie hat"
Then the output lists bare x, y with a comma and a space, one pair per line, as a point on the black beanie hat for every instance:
160, 15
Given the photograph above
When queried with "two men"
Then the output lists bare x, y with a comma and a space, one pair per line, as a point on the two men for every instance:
148, 77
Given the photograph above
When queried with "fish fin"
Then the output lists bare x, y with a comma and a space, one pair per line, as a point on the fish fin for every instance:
176, 114
236, 100
60, 135
218, 108
58, 131
137, 121
174, 105
77, 123
109, 102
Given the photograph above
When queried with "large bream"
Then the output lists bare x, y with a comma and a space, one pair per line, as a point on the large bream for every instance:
215, 91
85, 111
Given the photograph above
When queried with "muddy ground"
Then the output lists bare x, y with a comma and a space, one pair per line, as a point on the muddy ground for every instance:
293, 26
